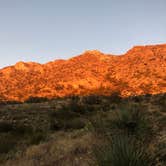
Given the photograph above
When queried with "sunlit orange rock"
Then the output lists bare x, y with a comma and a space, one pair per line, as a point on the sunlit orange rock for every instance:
141, 70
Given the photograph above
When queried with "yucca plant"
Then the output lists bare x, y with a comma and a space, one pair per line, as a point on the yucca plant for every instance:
132, 119
122, 151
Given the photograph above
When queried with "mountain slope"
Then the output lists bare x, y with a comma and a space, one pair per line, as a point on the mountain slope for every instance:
141, 70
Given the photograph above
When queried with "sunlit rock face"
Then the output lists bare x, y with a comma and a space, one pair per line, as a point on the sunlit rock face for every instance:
141, 70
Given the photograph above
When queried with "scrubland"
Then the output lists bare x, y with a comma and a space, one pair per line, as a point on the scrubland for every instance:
84, 131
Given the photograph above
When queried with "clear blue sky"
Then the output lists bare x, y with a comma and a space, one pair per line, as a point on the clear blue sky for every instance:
44, 30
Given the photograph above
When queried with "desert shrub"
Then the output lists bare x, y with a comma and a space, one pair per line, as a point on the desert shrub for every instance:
58, 118
36, 100
92, 99
160, 151
12, 102
136, 99
128, 119
100, 124
76, 123
65, 119
148, 95
11, 135
5, 127
71, 124
161, 102
159, 99
36, 137
115, 97
162, 122
63, 113
29, 134
87, 108
82, 108
121, 151
131, 119
20, 129
7, 142
75, 99
76, 106
107, 106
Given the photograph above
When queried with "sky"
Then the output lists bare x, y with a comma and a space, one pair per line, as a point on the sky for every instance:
45, 30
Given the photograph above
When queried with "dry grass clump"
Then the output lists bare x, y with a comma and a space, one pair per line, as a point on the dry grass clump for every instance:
64, 149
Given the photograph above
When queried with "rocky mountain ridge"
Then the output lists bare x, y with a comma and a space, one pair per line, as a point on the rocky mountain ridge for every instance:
140, 71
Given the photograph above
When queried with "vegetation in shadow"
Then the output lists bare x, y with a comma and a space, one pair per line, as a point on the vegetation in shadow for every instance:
122, 150
103, 130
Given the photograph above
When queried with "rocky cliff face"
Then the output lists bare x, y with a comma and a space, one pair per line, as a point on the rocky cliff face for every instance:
141, 70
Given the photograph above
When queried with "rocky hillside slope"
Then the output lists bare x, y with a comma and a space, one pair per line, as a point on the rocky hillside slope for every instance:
141, 70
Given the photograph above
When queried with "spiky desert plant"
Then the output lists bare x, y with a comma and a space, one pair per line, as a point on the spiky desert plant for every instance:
122, 151
132, 119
